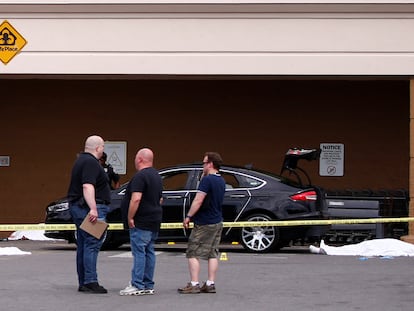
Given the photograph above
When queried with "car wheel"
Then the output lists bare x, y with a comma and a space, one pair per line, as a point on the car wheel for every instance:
259, 239
107, 243
111, 242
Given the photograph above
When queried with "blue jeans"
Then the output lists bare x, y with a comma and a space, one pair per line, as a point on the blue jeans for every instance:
87, 246
142, 247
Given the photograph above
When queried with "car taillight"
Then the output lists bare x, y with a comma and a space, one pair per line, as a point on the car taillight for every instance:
305, 196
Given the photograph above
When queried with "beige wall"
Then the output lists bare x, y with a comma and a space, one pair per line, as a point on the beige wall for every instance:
44, 124
207, 38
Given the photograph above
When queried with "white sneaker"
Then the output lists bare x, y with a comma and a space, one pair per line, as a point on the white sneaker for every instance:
149, 291
131, 290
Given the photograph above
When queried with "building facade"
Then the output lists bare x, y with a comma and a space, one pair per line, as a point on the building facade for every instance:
249, 79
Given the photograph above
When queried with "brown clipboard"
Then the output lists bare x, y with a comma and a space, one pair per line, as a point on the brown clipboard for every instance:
95, 229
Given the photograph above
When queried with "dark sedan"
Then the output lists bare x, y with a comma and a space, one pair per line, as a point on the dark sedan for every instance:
251, 195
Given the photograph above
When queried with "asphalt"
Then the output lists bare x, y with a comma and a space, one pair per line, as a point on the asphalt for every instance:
291, 279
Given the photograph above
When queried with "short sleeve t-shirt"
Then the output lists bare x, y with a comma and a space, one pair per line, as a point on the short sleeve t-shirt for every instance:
87, 170
210, 212
149, 213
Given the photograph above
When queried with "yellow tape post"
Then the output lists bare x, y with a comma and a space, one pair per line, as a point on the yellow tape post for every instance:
239, 224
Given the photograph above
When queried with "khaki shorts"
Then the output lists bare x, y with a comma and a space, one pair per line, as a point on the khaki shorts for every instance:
204, 241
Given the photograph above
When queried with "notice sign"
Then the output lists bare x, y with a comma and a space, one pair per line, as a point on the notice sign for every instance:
116, 155
331, 160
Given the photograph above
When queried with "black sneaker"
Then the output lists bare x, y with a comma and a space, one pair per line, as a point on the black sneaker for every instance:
82, 288
93, 288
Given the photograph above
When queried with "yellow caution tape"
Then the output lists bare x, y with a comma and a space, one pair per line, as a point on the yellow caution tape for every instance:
36, 227
239, 224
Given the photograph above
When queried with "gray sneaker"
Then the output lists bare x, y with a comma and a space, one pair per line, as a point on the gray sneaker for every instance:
208, 288
190, 289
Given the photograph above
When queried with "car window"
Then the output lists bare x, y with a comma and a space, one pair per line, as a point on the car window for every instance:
234, 181
231, 181
175, 181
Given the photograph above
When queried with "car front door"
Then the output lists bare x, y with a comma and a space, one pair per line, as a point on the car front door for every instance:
176, 200
236, 199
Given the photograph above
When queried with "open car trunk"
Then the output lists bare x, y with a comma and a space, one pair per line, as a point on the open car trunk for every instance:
290, 163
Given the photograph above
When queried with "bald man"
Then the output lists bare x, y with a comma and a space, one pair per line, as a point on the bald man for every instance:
89, 196
142, 205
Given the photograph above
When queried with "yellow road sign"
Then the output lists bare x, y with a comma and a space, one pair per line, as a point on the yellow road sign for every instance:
11, 42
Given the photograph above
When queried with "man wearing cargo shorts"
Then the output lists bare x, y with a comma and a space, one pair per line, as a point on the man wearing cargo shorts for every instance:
206, 213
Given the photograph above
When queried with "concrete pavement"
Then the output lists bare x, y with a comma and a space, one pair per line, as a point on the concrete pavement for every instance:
292, 279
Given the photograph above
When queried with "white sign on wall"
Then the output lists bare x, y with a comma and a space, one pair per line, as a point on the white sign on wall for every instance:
116, 152
331, 161
4, 161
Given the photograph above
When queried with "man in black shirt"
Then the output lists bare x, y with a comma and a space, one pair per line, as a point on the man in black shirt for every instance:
89, 196
142, 208
113, 178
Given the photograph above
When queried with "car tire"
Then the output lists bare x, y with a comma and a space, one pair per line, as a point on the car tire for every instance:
259, 239
111, 242
107, 241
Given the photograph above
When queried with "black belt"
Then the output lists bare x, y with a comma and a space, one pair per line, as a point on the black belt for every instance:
79, 202
98, 201
82, 202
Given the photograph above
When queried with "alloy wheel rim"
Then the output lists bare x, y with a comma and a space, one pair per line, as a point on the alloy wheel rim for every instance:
258, 238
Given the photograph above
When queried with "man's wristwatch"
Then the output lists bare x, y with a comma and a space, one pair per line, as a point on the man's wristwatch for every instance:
188, 216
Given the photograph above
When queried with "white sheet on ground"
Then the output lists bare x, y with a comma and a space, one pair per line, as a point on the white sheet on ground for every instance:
36, 235
12, 251
377, 247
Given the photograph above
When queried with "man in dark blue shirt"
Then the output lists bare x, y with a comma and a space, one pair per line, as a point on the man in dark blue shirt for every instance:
206, 213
